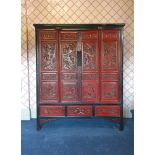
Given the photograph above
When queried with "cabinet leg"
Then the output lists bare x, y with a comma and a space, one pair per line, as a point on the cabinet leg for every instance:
121, 126
38, 125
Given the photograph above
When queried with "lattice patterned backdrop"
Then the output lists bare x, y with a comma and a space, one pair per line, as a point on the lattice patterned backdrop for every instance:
72, 11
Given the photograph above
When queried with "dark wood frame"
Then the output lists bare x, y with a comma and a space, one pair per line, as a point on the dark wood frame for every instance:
79, 27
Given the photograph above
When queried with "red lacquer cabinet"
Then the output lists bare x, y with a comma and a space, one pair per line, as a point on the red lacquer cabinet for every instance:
79, 70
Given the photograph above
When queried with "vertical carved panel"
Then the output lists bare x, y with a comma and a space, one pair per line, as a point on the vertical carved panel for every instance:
68, 51
110, 61
48, 56
89, 56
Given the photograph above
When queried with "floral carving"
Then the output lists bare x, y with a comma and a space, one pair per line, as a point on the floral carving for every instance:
80, 110
49, 56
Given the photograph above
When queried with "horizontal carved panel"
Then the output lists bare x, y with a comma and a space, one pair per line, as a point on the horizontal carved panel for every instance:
110, 76
89, 35
52, 111
69, 76
90, 76
69, 91
68, 36
49, 91
79, 111
110, 92
90, 91
107, 111
48, 34
49, 76
110, 35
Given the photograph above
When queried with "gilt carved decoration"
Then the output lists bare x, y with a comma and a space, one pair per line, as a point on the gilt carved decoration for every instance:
49, 56
110, 56
89, 56
68, 56
49, 91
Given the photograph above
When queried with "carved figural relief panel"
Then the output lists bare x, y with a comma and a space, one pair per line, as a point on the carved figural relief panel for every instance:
89, 56
110, 56
89, 91
48, 56
110, 90
69, 91
48, 91
68, 50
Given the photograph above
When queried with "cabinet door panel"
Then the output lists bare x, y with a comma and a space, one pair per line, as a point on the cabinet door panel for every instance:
90, 67
68, 54
110, 92
110, 66
49, 66
90, 91
69, 92
48, 92
49, 56
90, 56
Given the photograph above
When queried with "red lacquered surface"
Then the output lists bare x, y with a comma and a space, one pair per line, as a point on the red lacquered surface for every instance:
52, 111
107, 111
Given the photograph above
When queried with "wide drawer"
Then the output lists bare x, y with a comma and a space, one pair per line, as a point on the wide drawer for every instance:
52, 111
107, 111
79, 111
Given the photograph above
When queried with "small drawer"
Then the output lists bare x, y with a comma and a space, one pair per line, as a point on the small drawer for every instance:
107, 111
52, 111
79, 111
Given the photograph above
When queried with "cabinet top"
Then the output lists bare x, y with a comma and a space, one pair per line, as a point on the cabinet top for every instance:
80, 26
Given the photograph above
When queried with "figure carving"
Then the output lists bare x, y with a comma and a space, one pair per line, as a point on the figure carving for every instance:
69, 56
49, 56
89, 56
110, 59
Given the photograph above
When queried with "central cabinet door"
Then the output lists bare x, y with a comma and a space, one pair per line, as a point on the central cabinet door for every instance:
90, 66
68, 71
79, 72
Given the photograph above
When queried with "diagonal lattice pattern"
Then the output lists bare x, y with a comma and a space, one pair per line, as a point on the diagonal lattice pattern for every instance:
76, 11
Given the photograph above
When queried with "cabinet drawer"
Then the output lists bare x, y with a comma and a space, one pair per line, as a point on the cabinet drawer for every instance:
107, 111
79, 111
52, 111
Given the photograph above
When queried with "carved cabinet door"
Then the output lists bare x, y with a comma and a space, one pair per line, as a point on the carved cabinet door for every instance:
110, 60
68, 69
48, 67
90, 66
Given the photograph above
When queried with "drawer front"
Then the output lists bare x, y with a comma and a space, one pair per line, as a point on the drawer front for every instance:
79, 111
52, 111
107, 111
